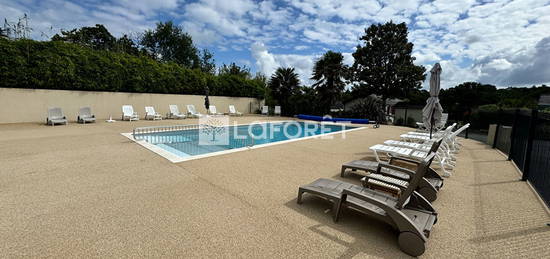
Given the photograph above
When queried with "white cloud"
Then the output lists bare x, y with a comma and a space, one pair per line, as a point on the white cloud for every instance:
268, 62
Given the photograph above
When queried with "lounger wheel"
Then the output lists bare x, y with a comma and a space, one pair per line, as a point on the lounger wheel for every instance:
428, 193
411, 244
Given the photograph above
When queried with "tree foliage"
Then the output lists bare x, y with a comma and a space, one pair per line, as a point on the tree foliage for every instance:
329, 73
384, 65
283, 84
169, 43
67, 66
234, 69
98, 38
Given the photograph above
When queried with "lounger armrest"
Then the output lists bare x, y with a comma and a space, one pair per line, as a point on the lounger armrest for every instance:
404, 159
394, 167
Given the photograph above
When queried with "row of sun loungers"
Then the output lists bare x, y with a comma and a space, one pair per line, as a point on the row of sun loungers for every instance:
56, 116
276, 110
398, 191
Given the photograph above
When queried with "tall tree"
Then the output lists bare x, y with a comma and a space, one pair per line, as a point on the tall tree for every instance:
169, 43
207, 62
98, 37
234, 69
329, 73
283, 84
384, 65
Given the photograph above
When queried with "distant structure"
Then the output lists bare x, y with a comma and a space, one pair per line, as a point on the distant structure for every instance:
544, 101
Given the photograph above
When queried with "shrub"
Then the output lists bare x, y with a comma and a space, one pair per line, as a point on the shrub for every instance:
68, 66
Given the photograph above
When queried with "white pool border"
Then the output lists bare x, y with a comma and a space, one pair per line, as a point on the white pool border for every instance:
177, 159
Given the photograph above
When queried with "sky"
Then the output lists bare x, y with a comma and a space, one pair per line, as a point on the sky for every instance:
505, 43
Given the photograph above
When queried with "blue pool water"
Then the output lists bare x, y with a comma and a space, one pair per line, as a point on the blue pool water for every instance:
187, 143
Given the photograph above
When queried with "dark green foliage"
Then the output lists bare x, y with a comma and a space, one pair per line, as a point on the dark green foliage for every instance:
283, 84
329, 73
66, 66
367, 108
384, 65
98, 38
233, 69
169, 43
207, 62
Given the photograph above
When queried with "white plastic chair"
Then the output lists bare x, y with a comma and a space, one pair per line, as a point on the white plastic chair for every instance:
265, 110
192, 111
277, 110
151, 114
213, 111
233, 111
175, 112
129, 114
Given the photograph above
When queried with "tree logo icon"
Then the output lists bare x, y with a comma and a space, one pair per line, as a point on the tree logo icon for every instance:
214, 130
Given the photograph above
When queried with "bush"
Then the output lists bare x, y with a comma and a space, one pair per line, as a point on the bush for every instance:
68, 66
367, 108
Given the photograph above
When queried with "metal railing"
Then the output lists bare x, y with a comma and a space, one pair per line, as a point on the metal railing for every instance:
527, 145
158, 129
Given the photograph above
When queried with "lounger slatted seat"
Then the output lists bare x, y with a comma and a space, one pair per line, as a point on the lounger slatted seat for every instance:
56, 116
85, 115
409, 213
427, 187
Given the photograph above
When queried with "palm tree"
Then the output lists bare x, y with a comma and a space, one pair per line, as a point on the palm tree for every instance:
283, 84
329, 73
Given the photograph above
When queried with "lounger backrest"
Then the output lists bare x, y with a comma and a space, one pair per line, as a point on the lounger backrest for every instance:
85, 112
174, 109
436, 144
149, 110
415, 180
232, 109
265, 109
128, 110
461, 129
277, 110
55, 113
191, 109
212, 109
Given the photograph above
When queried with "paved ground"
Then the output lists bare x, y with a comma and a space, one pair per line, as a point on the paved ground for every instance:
87, 191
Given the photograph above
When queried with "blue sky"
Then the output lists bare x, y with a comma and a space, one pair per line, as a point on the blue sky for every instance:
506, 43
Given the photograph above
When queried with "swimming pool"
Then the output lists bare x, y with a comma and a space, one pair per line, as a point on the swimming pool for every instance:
196, 141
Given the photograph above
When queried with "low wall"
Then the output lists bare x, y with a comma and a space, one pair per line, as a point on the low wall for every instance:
31, 105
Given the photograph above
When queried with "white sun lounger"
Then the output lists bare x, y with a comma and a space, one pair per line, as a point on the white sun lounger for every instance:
129, 114
213, 111
265, 110
175, 112
85, 115
192, 112
233, 111
412, 153
56, 116
151, 114
277, 111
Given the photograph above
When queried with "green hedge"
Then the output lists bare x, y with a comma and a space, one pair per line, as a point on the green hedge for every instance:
67, 66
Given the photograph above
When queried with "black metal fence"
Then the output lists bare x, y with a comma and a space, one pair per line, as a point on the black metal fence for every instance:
525, 136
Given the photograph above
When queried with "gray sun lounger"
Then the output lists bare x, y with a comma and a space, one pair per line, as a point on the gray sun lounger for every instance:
428, 186
409, 213
85, 115
56, 116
